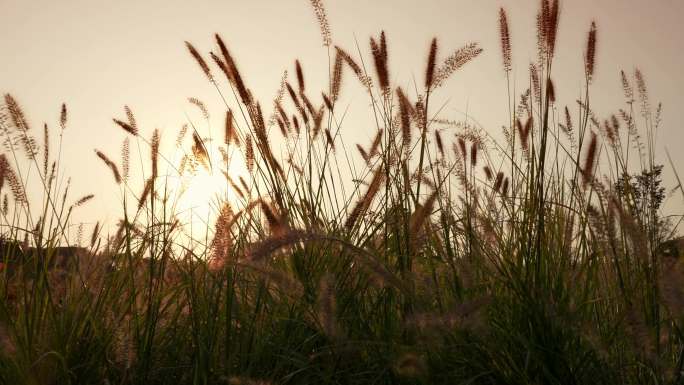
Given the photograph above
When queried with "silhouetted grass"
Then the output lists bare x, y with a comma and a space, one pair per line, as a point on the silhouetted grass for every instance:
442, 256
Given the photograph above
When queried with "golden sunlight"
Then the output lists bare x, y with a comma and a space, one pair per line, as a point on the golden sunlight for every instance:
199, 192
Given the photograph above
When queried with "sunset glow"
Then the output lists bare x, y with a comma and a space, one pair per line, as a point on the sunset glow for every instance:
341, 192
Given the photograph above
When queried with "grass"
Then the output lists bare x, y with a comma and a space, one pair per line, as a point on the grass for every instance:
437, 254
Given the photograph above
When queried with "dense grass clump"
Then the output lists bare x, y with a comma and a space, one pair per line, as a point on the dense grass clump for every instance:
436, 255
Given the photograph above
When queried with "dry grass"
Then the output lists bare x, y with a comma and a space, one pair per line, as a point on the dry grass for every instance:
437, 254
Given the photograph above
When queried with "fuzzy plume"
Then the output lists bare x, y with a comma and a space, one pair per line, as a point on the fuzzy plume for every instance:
234, 185
364, 203
488, 172
300, 75
83, 200
200, 60
229, 134
318, 121
110, 164
590, 160
536, 83
422, 214
457, 60
405, 109
147, 189
327, 101
551, 25
46, 148
223, 239
432, 59
473, 154
200, 105
297, 103
322, 19
199, 151
498, 181
295, 123
363, 153
643, 92
550, 91
462, 148
7, 174
627, 87
127, 127
590, 54
379, 51
274, 221
337, 78
568, 120
439, 142
181, 135
231, 70
249, 154
524, 132
95, 234
63, 116
505, 37
16, 113
245, 186
375, 145
154, 152
356, 69
125, 159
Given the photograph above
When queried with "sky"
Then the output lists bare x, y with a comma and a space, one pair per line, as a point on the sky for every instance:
97, 56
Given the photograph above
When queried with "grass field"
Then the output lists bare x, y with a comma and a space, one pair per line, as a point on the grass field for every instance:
438, 253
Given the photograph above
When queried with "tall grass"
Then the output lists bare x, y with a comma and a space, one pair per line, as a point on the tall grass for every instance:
437, 254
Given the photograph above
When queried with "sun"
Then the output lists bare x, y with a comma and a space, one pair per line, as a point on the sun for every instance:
198, 195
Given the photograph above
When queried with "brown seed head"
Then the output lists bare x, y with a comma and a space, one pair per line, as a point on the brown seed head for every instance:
568, 120
440, 143
462, 147
201, 106
300, 75
63, 116
337, 78
379, 52
232, 72
127, 127
432, 58
365, 81
229, 134
125, 159
375, 145
16, 113
154, 152
498, 181
405, 108
249, 154
200, 60
322, 19
550, 91
590, 160
473, 154
457, 60
83, 200
110, 164
590, 54
488, 172
505, 38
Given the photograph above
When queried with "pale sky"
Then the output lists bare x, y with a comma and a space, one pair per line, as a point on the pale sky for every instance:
98, 56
